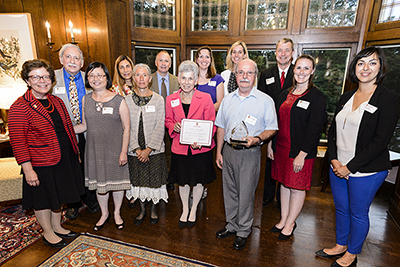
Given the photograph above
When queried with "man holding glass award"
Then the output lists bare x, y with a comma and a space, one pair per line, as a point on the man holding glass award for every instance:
246, 118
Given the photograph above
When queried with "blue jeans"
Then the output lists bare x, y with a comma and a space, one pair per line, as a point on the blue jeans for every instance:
352, 200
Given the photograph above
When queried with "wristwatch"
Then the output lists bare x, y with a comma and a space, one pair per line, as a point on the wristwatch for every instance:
259, 140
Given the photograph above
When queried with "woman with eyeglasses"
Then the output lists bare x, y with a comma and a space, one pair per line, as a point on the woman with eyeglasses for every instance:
301, 112
106, 120
45, 145
237, 52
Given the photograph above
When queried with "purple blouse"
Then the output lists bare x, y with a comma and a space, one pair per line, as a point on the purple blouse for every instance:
211, 87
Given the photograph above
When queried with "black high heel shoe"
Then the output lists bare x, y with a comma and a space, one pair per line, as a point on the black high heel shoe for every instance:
321, 253
275, 229
352, 264
60, 244
282, 237
182, 224
98, 227
191, 224
120, 226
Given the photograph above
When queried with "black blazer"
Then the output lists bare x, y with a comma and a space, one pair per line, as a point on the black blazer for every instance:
274, 89
305, 123
374, 134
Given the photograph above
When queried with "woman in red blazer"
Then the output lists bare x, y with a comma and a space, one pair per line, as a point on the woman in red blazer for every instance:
191, 165
45, 145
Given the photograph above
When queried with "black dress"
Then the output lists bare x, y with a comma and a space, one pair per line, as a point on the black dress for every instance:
191, 169
58, 184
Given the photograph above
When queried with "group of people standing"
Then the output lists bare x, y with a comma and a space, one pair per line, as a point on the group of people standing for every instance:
122, 136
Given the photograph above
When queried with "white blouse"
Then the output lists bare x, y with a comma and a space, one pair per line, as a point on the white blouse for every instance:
347, 126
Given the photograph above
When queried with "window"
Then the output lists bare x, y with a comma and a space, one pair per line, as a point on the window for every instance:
329, 77
147, 55
392, 82
210, 15
156, 14
390, 11
332, 13
266, 14
263, 58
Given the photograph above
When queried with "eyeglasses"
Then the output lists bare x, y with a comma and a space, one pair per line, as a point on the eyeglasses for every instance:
98, 76
242, 73
36, 78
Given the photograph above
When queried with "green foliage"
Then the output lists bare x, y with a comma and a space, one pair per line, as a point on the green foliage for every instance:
392, 83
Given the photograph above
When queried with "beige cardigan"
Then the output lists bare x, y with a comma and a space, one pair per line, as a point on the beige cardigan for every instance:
153, 124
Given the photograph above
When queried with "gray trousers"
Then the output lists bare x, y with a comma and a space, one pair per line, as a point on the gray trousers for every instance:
240, 174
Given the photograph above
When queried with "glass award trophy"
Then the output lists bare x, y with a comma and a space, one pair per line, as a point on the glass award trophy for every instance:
239, 134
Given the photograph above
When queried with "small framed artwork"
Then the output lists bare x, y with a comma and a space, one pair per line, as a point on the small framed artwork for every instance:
17, 44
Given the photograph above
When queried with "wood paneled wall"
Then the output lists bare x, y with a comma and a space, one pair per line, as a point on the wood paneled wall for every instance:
101, 27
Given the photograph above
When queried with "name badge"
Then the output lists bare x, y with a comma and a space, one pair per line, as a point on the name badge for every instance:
250, 119
303, 104
107, 110
270, 80
175, 103
212, 83
59, 90
370, 108
150, 109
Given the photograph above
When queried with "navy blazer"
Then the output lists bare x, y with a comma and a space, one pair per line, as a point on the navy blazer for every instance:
374, 134
274, 89
305, 123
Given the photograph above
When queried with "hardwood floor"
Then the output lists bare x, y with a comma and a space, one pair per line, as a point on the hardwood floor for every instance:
315, 230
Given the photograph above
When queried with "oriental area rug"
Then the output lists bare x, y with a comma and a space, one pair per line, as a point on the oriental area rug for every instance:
18, 230
92, 250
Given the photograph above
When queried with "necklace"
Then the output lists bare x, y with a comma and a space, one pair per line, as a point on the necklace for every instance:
50, 107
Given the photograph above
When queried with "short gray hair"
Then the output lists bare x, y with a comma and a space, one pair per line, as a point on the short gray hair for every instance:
62, 50
141, 65
189, 66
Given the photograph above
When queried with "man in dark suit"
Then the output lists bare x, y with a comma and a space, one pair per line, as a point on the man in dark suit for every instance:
164, 84
71, 58
272, 82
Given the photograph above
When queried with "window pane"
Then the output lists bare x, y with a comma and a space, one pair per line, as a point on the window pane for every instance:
210, 15
330, 74
390, 11
147, 55
267, 14
154, 14
392, 82
263, 58
331, 13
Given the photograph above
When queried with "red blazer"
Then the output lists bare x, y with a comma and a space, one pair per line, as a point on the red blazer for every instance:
201, 108
32, 133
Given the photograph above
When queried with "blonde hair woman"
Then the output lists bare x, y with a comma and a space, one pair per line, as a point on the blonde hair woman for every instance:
237, 52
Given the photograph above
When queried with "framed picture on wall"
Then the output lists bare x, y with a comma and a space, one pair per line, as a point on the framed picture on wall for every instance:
17, 44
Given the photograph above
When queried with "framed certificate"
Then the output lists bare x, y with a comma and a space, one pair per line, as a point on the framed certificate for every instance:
199, 131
